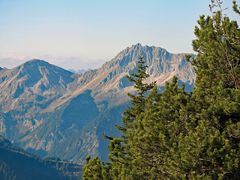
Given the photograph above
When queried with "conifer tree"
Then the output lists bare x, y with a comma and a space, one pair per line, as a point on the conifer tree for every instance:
236, 8
94, 169
142, 87
211, 149
119, 147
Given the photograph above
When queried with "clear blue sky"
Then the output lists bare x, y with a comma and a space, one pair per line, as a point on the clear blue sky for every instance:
85, 33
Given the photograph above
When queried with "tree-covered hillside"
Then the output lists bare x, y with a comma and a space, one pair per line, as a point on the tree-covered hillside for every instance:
17, 164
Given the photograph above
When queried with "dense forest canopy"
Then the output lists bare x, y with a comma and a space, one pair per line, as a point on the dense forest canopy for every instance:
179, 135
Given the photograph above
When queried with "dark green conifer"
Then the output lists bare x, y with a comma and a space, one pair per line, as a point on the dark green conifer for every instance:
94, 169
120, 154
211, 147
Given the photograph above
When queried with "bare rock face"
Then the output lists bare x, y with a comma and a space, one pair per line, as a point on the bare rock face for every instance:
37, 81
54, 112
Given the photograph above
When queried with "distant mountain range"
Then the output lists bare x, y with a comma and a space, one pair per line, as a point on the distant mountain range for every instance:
17, 164
54, 112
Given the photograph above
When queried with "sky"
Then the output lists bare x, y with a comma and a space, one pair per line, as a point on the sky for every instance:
83, 34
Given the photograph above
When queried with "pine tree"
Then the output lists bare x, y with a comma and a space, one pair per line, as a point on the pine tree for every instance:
211, 149
94, 169
120, 156
154, 147
138, 100
236, 8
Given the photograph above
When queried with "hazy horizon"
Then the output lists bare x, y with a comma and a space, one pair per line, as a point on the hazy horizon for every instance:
68, 63
85, 34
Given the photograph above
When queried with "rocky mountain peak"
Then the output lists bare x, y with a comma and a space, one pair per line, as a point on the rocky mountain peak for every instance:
36, 62
44, 104
35, 80
132, 54
33, 64
36, 70
158, 60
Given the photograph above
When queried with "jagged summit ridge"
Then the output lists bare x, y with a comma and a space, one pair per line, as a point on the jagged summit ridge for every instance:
158, 60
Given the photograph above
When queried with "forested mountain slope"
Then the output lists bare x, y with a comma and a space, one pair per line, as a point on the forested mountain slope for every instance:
18, 164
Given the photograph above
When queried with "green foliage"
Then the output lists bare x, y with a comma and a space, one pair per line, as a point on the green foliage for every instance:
15, 163
138, 100
94, 169
176, 135
213, 149
236, 7
121, 156
156, 132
